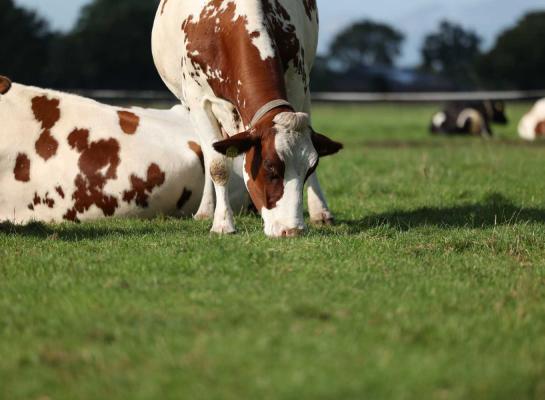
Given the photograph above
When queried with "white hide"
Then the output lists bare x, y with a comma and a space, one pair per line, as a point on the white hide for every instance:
528, 123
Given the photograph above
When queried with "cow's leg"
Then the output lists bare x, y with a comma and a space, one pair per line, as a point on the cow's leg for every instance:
220, 170
317, 205
217, 167
206, 208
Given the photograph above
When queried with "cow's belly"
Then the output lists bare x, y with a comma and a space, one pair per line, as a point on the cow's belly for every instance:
52, 191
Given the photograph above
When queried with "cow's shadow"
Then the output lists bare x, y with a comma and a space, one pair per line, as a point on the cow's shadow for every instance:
70, 232
494, 210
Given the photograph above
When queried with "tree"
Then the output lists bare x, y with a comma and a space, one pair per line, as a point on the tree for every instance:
25, 43
109, 47
322, 75
452, 53
367, 43
517, 61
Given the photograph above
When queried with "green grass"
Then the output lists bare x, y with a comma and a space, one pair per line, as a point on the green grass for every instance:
431, 285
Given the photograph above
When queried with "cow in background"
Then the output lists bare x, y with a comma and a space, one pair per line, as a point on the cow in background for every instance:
69, 158
469, 118
532, 125
243, 69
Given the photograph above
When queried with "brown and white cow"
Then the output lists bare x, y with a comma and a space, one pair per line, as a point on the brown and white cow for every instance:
68, 158
532, 125
242, 67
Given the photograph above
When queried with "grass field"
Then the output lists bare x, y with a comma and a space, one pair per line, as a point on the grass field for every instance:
431, 285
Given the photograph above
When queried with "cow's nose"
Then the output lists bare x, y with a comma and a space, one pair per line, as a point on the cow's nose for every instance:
296, 232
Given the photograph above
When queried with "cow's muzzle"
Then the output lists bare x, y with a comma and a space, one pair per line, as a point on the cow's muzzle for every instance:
291, 233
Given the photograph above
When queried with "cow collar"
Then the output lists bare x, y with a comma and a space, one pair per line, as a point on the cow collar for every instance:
271, 105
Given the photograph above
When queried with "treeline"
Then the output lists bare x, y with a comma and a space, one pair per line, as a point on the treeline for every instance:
109, 48
363, 57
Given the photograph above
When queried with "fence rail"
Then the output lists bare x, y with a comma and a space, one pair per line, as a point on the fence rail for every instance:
331, 97
427, 97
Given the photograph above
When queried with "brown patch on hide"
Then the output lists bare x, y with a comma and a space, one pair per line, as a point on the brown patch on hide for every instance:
5, 85
98, 164
266, 172
310, 7
163, 6
60, 192
22, 168
47, 112
128, 122
37, 200
141, 189
197, 149
540, 129
285, 37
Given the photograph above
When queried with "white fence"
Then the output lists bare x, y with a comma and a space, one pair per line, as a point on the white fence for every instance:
332, 97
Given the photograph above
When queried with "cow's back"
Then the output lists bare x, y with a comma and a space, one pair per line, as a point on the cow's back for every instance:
286, 29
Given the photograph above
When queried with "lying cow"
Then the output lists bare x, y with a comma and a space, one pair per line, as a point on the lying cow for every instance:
532, 125
243, 68
68, 158
469, 118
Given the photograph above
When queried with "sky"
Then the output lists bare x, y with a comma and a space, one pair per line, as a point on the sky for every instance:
415, 18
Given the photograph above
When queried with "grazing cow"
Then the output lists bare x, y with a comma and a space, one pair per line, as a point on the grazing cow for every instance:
532, 125
68, 158
242, 67
469, 117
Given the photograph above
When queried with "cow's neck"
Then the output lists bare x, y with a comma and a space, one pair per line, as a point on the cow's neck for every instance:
260, 82
241, 62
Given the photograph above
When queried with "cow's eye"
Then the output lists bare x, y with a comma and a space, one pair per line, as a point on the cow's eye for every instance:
268, 167
271, 172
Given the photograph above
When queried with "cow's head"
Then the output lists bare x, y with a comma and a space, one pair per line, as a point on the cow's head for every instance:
281, 152
496, 112
5, 84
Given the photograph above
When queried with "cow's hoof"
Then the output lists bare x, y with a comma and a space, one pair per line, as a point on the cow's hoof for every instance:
223, 228
223, 231
324, 219
203, 217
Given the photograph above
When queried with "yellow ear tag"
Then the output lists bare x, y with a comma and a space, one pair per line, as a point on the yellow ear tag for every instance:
232, 152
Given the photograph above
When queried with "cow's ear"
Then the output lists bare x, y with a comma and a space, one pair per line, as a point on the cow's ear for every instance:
324, 145
236, 145
5, 85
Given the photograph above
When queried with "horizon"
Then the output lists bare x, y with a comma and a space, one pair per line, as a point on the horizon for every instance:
415, 20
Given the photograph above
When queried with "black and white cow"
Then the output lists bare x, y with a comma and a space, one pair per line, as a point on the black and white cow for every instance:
469, 118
